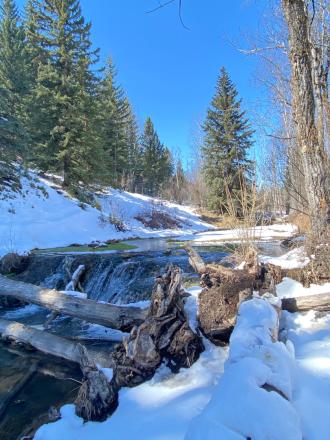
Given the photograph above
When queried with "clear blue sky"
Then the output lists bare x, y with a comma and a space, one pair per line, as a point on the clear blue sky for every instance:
168, 72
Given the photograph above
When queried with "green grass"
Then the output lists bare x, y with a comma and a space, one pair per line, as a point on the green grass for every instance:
121, 246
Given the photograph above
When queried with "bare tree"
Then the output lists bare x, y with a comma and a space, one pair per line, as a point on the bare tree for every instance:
312, 149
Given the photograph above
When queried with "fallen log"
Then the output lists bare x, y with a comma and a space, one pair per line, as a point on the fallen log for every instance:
109, 315
319, 302
195, 260
48, 343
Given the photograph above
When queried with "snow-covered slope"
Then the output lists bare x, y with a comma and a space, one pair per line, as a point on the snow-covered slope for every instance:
31, 219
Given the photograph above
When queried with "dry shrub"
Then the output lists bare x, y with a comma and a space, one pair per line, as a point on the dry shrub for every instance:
301, 220
158, 220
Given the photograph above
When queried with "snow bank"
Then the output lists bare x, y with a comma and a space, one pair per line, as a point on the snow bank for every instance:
34, 220
240, 407
294, 259
262, 233
289, 288
310, 335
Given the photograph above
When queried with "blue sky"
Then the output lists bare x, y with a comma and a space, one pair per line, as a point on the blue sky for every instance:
168, 72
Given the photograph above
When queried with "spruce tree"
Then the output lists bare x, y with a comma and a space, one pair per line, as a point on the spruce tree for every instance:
13, 83
133, 172
228, 137
63, 99
114, 114
156, 160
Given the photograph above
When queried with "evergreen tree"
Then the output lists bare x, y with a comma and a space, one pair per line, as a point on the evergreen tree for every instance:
133, 172
114, 115
62, 105
228, 137
13, 82
156, 160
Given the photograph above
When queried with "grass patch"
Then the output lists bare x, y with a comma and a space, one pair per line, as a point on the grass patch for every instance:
121, 246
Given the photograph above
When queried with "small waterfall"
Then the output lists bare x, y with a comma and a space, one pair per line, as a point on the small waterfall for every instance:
119, 278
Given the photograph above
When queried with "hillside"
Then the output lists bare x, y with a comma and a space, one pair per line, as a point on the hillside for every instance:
42, 215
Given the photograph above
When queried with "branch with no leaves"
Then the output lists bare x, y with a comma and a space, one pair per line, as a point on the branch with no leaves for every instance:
163, 5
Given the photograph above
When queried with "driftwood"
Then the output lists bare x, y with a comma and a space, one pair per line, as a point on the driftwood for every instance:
319, 302
74, 284
109, 315
165, 335
48, 343
97, 397
195, 260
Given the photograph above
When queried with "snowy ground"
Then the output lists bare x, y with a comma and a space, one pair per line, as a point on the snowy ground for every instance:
33, 220
222, 396
259, 233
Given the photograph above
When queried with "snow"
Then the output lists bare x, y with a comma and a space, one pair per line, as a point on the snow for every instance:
294, 259
75, 293
289, 288
35, 220
310, 335
262, 233
96, 331
240, 407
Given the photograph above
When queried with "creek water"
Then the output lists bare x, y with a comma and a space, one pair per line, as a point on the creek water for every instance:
121, 277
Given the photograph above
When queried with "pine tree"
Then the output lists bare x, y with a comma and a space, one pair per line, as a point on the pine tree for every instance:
63, 99
114, 114
228, 137
133, 172
13, 82
156, 160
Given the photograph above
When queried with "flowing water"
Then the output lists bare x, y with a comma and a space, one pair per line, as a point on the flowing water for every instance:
121, 278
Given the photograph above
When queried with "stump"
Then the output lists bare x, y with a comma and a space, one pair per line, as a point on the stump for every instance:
97, 397
164, 336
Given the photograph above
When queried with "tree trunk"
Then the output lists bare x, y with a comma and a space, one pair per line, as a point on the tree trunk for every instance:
320, 302
48, 343
109, 315
312, 150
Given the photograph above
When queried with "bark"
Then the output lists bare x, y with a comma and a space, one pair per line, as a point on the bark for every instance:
109, 315
320, 302
312, 150
165, 335
97, 397
195, 260
48, 343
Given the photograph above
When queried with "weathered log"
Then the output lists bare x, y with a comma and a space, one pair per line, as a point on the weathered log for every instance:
74, 284
195, 260
109, 315
319, 302
97, 397
75, 279
164, 336
48, 343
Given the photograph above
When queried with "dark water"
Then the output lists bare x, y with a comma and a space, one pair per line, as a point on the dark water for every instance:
41, 382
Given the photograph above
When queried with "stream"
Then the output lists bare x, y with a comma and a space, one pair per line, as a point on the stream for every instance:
41, 382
